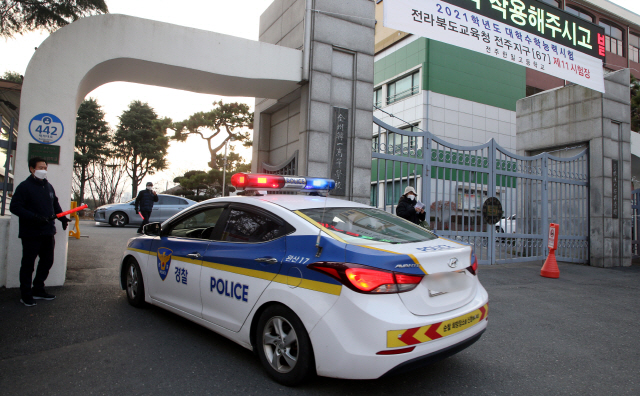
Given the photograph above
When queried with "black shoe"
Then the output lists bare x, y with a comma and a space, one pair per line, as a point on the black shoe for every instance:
28, 301
43, 295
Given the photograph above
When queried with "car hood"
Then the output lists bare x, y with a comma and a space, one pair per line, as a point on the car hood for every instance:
111, 206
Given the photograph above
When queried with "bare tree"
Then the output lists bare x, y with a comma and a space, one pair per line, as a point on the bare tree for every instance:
108, 181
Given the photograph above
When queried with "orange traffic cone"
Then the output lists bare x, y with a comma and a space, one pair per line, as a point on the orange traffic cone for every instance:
550, 267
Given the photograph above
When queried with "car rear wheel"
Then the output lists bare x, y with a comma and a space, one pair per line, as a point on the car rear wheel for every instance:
134, 283
119, 219
284, 347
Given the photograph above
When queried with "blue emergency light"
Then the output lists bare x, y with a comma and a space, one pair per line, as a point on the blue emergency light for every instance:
264, 182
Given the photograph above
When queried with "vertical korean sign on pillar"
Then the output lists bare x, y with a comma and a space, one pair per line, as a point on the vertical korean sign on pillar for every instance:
526, 32
339, 154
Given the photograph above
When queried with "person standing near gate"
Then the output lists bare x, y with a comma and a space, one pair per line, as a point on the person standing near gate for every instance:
406, 207
144, 201
35, 203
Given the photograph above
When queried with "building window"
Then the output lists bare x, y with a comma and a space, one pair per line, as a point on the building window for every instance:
634, 47
613, 39
377, 97
403, 88
579, 13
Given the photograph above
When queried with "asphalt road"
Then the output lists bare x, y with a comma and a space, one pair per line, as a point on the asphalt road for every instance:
577, 335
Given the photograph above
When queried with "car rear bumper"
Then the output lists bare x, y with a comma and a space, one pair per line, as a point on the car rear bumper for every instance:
347, 339
434, 357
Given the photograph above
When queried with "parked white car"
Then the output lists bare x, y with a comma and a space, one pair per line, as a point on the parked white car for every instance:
506, 225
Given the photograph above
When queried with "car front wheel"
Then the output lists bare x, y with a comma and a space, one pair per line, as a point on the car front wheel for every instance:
134, 283
118, 219
284, 347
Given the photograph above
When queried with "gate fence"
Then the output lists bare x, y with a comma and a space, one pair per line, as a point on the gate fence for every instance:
454, 181
635, 239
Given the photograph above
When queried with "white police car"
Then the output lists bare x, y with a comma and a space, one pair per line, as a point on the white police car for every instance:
312, 284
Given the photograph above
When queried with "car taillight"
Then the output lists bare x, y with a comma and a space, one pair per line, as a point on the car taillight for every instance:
363, 279
473, 268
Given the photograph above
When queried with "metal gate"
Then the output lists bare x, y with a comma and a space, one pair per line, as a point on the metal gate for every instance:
454, 182
635, 207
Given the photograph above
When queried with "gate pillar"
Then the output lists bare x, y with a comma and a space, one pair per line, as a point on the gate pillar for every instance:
565, 121
324, 128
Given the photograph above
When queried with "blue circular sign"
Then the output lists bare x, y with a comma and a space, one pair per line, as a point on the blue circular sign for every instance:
46, 128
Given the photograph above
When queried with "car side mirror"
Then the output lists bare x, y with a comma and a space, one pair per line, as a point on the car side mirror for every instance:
152, 229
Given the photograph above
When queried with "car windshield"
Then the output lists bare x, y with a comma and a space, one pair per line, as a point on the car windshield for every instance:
367, 225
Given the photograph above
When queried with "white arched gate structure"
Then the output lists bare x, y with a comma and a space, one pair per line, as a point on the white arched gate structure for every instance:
101, 49
454, 181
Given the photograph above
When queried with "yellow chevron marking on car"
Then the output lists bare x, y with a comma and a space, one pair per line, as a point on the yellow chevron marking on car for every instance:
419, 335
312, 285
139, 250
315, 223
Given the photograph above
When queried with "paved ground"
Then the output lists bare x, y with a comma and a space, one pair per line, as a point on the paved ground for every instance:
577, 335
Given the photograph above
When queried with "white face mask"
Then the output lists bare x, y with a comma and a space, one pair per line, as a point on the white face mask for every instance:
149, 188
411, 197
40, 174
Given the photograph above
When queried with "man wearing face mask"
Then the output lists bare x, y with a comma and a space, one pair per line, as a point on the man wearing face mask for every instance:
144, 201
407, 207
35, 203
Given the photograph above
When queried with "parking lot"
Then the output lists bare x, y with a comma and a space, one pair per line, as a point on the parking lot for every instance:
575, 335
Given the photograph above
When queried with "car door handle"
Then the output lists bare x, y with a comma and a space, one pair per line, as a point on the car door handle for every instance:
194, 255
267, 260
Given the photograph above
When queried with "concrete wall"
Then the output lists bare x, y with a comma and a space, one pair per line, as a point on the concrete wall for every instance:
574, 115
341, 75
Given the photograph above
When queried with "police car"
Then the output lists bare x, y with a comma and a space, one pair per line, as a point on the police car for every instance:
313, 285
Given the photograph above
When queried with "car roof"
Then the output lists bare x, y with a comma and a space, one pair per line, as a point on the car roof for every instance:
296, 202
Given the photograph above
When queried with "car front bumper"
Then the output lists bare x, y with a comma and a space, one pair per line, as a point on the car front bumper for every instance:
100, 216
347, 339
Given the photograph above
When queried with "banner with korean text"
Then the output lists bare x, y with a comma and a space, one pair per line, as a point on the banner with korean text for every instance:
568, 49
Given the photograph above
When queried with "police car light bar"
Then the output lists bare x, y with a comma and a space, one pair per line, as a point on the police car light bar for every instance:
257, 181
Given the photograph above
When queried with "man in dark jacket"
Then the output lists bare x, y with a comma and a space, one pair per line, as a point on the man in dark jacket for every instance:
35, 203
407, 207
144, 201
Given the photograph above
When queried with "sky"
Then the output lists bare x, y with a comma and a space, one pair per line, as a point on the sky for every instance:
238, 18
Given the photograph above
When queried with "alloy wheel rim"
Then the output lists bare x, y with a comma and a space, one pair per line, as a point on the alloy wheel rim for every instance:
132, 282
280, 344
119, 219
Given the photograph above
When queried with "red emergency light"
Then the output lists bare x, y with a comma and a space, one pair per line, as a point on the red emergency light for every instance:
265, 182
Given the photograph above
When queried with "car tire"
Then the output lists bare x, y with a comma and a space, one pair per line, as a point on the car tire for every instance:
134, 284
119, 219
284, 347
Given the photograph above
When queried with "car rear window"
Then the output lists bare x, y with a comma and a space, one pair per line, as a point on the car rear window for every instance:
368, 225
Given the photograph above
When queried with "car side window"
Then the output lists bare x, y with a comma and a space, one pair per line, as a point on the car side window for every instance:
199, 225
245, 226
171, 201
160, 200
